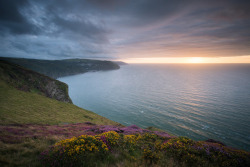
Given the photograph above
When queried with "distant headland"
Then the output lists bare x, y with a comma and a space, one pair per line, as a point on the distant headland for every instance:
66, 67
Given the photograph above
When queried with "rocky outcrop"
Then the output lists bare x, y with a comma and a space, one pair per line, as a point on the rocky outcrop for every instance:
30, 81
54, 91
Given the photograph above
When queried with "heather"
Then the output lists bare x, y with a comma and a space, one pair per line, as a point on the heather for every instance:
88, 144
22, 144
145, 148
17, 133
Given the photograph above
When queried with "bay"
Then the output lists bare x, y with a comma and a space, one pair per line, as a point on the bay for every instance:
200, 101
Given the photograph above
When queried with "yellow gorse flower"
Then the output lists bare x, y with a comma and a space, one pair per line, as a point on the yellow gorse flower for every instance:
132, 139
112, 137
81, 145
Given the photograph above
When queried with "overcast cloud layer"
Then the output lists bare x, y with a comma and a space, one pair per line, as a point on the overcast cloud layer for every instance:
117, 29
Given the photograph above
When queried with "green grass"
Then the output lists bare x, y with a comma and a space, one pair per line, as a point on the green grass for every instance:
19, 107
23, 101
23, 154
30, 81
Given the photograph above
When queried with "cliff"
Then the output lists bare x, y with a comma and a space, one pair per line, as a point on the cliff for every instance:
40, 131
30, 81
61, 68
28, 118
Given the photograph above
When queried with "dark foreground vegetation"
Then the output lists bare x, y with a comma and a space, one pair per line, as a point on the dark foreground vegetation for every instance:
114, 148
88, 144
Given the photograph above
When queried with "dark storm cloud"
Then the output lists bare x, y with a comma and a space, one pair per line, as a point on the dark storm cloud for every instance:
11, 18
196, 26
116, 28
83, 28
10, 10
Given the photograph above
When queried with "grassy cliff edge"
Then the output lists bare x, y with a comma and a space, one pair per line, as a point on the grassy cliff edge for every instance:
30, 98
38, 130
30, 81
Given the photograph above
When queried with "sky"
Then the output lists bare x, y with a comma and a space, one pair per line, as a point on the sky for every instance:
134, 31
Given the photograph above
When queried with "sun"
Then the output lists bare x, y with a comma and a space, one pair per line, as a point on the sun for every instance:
195, 60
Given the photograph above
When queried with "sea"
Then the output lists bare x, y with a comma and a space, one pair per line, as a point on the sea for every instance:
199, 101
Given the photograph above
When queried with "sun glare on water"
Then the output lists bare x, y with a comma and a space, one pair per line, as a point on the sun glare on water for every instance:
190, 60
195, 60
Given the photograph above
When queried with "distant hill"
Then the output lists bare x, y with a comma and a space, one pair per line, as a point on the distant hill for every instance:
30, 81
61, 68
120, 63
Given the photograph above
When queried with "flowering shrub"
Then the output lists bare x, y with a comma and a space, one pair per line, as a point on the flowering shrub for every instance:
75, 150
150, 156
193, 152
132, 139
110, 138
149, 137
177, 143
81, 145
130, 142
110, 148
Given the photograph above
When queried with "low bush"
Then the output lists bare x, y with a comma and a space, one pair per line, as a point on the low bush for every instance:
111, 148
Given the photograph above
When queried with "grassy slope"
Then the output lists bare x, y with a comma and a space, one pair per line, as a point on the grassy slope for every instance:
30, 81
27, 107
19, 107
23, 154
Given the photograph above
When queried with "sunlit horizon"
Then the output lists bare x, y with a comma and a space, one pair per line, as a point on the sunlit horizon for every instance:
189, 60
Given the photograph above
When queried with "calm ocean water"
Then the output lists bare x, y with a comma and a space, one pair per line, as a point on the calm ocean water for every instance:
197, 101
